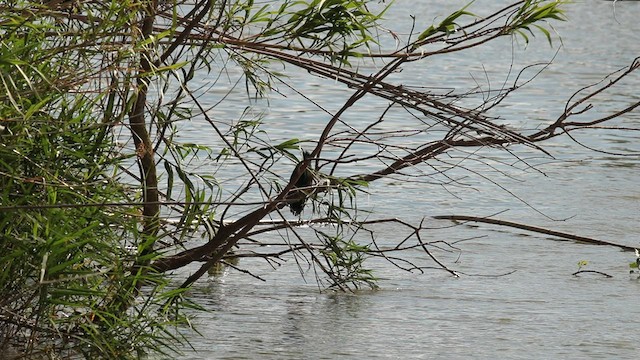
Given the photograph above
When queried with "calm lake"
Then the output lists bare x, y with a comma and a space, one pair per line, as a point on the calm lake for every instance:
517, 297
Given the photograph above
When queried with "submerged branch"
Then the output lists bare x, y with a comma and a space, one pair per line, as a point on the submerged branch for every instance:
540, 230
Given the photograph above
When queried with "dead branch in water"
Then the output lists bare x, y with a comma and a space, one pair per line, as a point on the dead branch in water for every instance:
540, 230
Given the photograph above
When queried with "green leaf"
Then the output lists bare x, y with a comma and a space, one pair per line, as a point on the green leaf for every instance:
169, 169
288, 145
446, 26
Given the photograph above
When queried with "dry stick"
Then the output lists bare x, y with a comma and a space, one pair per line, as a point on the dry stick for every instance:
591, 271
182, 37
561, 122
533, 229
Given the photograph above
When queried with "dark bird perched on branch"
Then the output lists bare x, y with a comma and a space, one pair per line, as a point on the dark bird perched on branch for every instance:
305, 180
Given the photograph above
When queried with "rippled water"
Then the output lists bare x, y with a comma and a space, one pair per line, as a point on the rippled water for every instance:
517, 297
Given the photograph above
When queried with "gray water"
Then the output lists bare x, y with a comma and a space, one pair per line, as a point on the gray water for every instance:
517, 297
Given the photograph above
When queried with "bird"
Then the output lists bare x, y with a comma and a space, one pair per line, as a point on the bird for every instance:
304, 181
